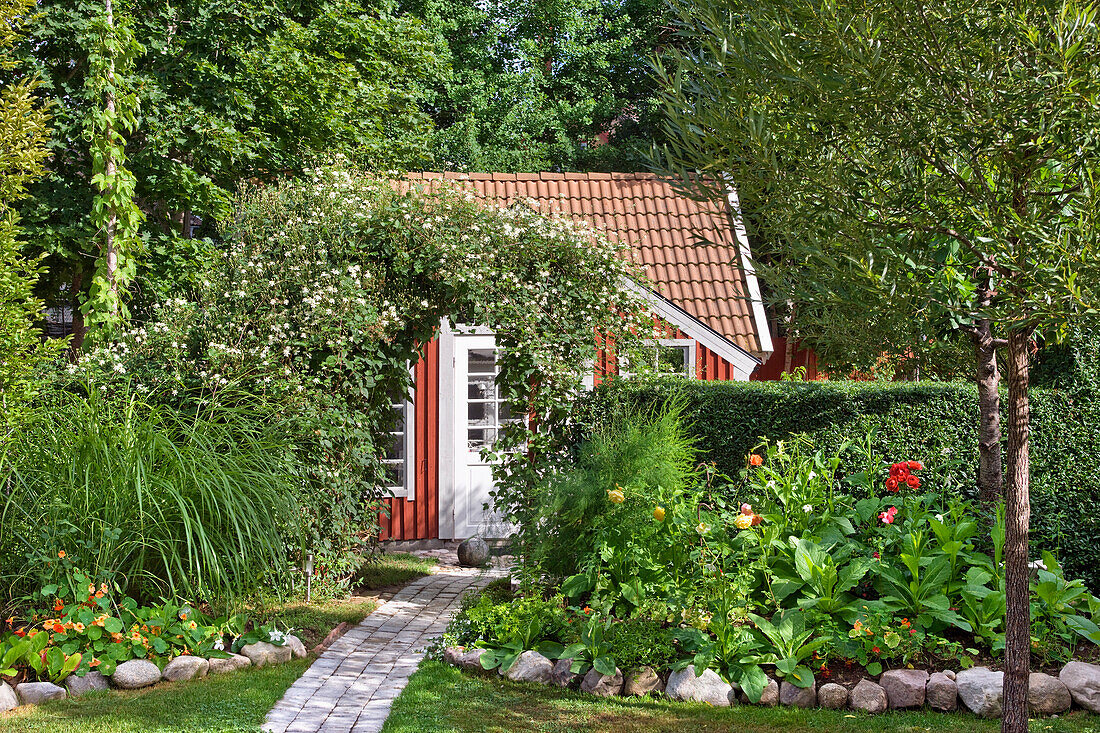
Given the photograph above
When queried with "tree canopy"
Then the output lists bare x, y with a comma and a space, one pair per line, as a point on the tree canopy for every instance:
22, 149
930, 164
532, 85
227, 91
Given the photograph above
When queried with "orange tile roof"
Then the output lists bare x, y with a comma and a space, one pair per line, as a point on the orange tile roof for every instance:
688, 248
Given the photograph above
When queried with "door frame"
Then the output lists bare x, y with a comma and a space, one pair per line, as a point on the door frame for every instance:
452, 435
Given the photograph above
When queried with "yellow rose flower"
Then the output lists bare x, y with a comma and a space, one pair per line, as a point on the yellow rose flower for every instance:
616, 496
743, 521
659, 514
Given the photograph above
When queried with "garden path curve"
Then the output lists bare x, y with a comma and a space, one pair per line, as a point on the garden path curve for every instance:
351, 686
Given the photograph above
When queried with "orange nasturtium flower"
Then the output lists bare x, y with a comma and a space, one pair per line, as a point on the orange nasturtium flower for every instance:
59, 605
756, 460
61, 553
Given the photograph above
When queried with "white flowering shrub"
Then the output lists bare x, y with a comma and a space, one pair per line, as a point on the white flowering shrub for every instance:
324, 293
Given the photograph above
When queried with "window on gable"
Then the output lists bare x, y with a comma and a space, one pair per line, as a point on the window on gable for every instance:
666, 356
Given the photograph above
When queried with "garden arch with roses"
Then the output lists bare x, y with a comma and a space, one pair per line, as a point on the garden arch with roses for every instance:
327, 287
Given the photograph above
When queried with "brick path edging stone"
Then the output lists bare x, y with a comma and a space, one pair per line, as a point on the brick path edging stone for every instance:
351, 686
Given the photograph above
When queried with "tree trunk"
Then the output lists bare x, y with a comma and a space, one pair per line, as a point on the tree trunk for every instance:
990, 473
76, 343
1017, 518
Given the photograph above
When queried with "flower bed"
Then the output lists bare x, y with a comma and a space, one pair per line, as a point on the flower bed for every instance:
80, 636
810, 587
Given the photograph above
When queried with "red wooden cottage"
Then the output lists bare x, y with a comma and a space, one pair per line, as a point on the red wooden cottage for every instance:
697, 256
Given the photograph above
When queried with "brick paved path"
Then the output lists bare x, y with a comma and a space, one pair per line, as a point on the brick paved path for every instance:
351, 687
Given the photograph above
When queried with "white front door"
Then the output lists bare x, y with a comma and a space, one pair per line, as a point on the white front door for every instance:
478, 417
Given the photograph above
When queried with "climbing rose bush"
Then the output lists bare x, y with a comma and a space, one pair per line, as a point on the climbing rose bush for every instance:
324, 293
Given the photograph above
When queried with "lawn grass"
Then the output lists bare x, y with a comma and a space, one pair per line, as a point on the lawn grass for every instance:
394, 568
232, 702
440, 698
312, 621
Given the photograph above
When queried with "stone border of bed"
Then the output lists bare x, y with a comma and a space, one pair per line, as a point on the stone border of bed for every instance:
138, 673
978, 689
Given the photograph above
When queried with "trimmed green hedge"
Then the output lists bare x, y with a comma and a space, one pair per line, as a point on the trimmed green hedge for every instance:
933, 422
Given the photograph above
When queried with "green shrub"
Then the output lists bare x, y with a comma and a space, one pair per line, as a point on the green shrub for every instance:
643, 453
142, 495
499, 623
639, 642
934, 420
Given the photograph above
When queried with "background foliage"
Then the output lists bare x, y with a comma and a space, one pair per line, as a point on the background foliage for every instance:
22, 149
229, 91
935, 419
531, 85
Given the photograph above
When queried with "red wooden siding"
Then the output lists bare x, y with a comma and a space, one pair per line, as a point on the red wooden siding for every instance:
772, 369
419, 519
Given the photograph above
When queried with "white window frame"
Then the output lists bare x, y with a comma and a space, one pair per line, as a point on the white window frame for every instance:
690, 363
408, 491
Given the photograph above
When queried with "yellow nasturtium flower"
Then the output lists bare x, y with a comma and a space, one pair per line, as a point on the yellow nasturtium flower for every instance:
616, 496
659, 514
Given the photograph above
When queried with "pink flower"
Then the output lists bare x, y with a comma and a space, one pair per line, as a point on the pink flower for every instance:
887, 516
746, 509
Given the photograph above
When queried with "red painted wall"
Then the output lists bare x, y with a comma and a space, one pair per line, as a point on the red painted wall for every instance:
419, 519
772, 369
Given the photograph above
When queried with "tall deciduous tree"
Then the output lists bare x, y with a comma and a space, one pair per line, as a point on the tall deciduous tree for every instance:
533, 84
228, 90
22, 150
941, 154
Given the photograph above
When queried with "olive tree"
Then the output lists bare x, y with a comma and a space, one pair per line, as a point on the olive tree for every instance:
940, 157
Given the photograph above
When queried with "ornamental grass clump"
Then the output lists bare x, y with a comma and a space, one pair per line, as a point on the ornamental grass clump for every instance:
159, 501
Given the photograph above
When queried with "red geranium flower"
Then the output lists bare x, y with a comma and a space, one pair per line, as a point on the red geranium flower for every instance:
915, 466
891, 484
913, 481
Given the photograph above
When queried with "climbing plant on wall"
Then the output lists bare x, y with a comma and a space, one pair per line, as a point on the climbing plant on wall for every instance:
115, 215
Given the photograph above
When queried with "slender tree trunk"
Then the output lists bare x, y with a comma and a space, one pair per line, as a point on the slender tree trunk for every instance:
110, 168
990, 473
76, 343
1017, 518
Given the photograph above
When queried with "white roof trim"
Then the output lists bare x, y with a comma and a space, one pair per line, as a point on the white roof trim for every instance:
763, 332
743, 361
